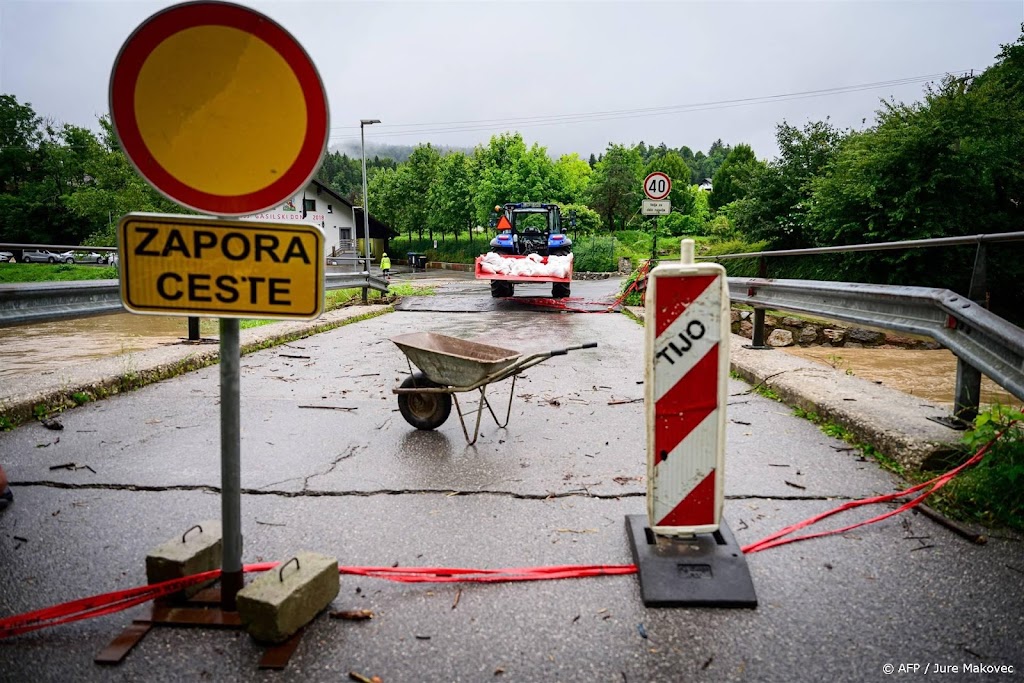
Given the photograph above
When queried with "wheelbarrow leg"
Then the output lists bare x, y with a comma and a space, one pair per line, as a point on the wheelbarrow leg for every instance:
479, 414
508, 413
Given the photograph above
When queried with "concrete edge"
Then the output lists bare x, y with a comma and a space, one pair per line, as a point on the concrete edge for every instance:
127, 372
892, 422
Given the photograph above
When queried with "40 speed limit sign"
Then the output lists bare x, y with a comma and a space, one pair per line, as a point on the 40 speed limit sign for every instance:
657, 185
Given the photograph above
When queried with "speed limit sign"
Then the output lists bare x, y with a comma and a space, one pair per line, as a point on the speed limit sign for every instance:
657, 185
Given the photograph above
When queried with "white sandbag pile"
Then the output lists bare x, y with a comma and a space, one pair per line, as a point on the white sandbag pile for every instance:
533, 265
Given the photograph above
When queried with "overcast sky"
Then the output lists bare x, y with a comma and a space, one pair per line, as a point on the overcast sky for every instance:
476, 67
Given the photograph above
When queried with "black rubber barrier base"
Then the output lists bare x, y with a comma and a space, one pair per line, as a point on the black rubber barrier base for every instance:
708, 570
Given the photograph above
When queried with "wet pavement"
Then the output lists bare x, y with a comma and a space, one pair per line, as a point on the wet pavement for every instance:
328, 464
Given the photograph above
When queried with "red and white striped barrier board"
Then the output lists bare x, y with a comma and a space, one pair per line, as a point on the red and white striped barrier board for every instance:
687, 365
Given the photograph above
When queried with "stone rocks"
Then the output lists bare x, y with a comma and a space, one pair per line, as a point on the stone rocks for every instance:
863, 336
808, 335
812, 333
780, 337
834, 337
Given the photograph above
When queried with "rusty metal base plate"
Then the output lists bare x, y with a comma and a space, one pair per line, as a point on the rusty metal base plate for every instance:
202, 611
707, 570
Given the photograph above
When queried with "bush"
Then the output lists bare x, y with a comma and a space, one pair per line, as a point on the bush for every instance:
991, 492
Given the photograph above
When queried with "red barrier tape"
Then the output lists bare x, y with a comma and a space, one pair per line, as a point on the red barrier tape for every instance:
109, 603
937, 483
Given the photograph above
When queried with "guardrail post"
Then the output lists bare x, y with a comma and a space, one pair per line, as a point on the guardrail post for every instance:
366, 299
757, 341
967, 392
193, 328
757, 338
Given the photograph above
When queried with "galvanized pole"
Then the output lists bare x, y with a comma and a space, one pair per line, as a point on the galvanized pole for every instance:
366, 204
230, 463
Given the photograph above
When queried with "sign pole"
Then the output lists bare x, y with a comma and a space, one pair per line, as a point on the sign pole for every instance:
230, 463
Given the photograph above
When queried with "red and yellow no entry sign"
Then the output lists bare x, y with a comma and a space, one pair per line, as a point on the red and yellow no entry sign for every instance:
219, 108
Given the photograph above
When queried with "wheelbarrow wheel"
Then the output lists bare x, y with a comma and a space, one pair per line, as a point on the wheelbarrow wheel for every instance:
424, 411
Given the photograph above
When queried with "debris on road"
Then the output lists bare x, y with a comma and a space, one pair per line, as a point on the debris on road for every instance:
352, 615
458, 594
641, 630
957, 528
625, 401
331, 407
72, 466
51, 424
796, 486
360, 678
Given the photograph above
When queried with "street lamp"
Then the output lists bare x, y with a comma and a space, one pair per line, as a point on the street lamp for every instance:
366, 204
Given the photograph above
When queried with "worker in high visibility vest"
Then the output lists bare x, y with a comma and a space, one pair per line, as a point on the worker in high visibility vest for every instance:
385, 266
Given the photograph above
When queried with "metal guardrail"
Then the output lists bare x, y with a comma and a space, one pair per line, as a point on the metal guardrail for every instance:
981, 338
38, 302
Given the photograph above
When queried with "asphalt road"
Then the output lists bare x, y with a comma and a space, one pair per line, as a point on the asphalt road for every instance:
553, 488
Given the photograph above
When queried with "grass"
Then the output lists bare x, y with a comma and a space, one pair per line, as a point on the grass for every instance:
11, 273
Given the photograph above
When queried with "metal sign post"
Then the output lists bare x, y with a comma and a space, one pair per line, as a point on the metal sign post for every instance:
230, 463
683, 537
221, 110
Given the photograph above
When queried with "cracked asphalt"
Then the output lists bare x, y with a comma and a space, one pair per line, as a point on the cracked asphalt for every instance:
329, 465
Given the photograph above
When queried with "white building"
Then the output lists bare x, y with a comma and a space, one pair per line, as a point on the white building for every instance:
341, 221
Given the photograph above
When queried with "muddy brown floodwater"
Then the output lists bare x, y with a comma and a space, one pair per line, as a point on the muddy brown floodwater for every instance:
928, 374
43, 348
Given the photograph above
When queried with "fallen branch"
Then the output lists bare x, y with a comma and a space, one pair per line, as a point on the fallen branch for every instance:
330, 407
964, 531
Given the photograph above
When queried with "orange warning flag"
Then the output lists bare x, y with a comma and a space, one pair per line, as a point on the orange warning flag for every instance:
503, 224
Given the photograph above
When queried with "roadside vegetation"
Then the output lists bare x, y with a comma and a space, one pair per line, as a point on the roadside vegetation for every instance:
991, 492
11, 273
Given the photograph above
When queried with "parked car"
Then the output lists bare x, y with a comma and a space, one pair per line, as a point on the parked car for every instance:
41, 256
91, 257
6, 256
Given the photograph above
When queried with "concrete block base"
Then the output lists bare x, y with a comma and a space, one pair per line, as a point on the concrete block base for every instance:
197, 550
286, 598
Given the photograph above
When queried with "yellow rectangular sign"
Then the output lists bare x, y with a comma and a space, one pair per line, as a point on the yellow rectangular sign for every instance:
190, 265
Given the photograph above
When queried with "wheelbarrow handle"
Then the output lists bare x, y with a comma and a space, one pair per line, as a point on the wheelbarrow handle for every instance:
562, 352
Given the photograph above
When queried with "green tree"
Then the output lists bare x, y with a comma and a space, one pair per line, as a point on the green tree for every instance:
450, 198
572, 178
495, 178
419, 176
616, 189
778, 194
731, 180
114, 189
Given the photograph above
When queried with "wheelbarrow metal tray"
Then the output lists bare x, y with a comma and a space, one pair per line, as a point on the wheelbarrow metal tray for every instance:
454, 362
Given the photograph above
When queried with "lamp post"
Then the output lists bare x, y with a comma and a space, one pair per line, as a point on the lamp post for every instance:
366, 204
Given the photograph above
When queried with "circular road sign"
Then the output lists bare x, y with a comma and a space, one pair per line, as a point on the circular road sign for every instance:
219, 108
657, 185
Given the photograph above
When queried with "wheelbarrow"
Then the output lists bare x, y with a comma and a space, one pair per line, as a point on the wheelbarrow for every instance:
450, 366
